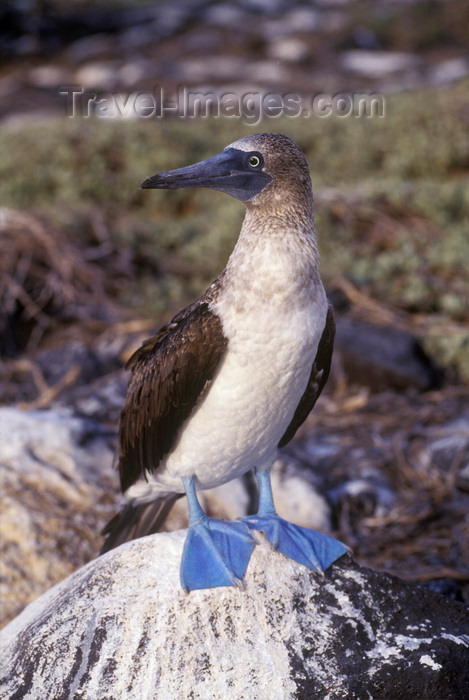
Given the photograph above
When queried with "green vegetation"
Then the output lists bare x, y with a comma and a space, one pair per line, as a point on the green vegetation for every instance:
392, 203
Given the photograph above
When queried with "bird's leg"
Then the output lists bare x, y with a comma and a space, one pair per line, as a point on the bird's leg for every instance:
216, 552
309, 547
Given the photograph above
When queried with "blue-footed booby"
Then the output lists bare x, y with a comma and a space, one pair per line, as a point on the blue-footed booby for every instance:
230, 378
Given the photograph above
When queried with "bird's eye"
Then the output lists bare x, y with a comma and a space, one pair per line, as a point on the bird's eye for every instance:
254, 161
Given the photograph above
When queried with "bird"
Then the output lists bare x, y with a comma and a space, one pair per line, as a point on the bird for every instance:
229, 380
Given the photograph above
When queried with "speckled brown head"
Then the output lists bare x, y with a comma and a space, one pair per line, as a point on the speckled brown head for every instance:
260, 170
284, 161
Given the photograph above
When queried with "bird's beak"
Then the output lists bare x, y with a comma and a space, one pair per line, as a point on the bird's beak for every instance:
225, 172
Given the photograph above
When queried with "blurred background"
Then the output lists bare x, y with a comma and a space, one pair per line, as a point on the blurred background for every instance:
97, 96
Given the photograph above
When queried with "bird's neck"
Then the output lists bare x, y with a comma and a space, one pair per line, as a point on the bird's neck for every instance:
287, 229
276, 256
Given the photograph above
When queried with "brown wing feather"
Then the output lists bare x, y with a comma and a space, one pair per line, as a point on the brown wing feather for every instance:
170, 374
137, 520
317, 379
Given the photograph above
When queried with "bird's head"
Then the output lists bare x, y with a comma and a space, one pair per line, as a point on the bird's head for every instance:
255, 169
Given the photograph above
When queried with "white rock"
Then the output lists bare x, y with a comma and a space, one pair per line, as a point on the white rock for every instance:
449, 71
291, 50
99, 75
122, 628
377, 64
47, 76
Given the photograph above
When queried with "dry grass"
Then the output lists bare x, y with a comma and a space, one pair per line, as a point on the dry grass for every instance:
45, 282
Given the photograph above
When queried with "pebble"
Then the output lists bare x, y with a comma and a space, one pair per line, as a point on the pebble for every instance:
47, 76
290, 50
97, 76
224, 15
377, 64
449, 71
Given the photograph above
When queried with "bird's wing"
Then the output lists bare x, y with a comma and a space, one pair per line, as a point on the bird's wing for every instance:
317, 378
171, 372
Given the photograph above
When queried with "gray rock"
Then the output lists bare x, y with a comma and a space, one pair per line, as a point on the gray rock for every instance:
267, 7
449, 449
121, 627
448, 71
48, 76
383, 357
363, 498
56, 485
377, 64
268, 71
290, 50
302, 19
224, 14
89, 47
97, 75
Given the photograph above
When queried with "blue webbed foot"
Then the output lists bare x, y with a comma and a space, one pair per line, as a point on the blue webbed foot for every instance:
216, 553
314, 549
309, 547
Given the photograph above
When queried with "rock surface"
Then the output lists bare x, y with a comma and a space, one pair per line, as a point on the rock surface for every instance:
55, 477
383, 357
121, 627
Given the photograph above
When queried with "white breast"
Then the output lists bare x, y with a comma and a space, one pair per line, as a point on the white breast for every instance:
273, 318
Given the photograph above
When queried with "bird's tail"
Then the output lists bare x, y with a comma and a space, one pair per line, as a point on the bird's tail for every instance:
137, 520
